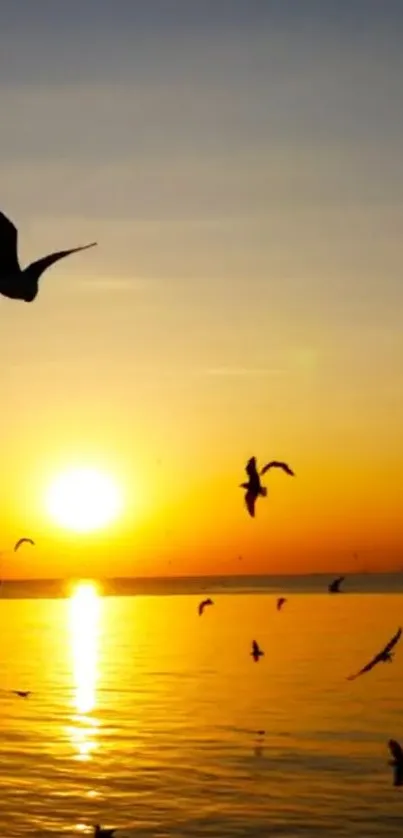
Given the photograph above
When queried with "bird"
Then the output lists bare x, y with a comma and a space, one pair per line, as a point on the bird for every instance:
397, 762
21, 541
203, 604
256, 651
15, 282
334, 587
254, 487
100, 832
22, 693
280, 602
382, 657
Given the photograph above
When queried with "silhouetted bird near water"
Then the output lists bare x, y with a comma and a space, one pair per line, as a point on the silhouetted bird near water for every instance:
203, 604
22, 541
397, 762
254, 487
280, 602
382, 657
22, 693
334, 587
23, 284
256, 651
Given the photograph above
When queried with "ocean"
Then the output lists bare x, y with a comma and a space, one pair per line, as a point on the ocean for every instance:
148, 718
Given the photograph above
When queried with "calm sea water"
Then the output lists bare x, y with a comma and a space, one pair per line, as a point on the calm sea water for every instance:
145, 717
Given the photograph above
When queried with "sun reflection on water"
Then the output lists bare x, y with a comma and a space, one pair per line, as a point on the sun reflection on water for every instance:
84, 612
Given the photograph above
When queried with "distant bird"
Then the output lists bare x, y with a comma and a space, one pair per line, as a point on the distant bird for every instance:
382, 657
334, 587
397, 762
22, 541
17, 283
280, 602
99, 832
203, 604
256, 651
254, 487
22, 693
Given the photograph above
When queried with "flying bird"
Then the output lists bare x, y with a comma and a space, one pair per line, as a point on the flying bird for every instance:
334, 587
280, 602
22, 693
256, 651
18, 283
382, 657
99, 832
22, 541
203, 604
254, 487
397, 762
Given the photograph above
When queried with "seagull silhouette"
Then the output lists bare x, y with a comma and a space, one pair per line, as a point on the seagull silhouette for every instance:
99, 832
22, 693
254, 487
256, 651
280, 602
22, 541
382, 657
17, 283
397, 762
334, 587
203, 604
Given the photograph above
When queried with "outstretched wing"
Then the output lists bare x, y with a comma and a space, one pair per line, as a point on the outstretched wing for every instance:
8, 247
392, 642
366, 668
37, 268
22, 541
250, 468
277, 464
250, 499
255, 648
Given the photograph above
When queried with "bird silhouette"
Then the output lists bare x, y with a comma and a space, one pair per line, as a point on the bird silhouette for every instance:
397, 762
256, 652
22, 693
21, 541
254, 487
18, 283
99, 832
280, 602
334, 587
382, 657
203, 604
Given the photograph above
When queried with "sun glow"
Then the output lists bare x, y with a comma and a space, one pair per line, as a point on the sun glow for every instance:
84, 622
83, 499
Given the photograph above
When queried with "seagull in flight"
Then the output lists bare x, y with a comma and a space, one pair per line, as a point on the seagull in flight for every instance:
18, 283
280, 602
254, 487
382, 657
99, 832
22, 693
203, 604
334, 587
256, 651
22, 541
397, 762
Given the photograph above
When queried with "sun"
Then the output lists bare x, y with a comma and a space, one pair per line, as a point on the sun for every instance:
83, 499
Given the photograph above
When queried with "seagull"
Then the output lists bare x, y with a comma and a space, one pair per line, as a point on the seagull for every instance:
203, 604
381, 657
334, 587
254, 487
17, 283
21, 541
22, 693
256, 651
397, 762
99, 832
280, 602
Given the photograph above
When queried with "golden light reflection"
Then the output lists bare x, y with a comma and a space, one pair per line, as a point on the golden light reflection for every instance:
84, 625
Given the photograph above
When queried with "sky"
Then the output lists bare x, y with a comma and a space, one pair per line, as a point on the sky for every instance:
239, 165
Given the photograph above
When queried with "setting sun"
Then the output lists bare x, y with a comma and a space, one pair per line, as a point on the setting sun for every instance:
83, 499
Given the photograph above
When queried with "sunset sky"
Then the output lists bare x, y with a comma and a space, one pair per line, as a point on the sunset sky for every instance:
240, 166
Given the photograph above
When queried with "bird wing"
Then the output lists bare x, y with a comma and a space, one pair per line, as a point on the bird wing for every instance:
250, 500
21, 541
277, 464
255, 648
250, 467
365, 668
8, 247
201, 606
396, 750
392, 642
45, 262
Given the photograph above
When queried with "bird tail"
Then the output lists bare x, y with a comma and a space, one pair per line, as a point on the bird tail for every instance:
263, 491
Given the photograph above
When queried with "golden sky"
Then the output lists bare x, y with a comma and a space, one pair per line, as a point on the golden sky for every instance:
240, 169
